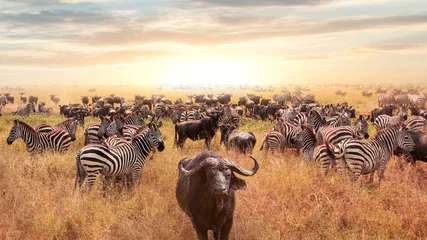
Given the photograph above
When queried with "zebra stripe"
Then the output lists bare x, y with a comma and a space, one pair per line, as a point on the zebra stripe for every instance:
119, 160
363, 157
288, 132
57, 140
416, 123
323, 155
69, 125
191, 115
300, 119
273, 141
340, 120
95, 133
383, 121
417, 101
307, 138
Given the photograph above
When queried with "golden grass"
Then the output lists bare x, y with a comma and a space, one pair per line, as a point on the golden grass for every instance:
286, 199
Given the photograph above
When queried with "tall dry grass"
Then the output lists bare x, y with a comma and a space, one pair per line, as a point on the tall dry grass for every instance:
286, 199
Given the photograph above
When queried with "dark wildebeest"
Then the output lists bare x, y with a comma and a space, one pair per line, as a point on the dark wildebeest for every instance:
224, 98
33, 100
25, 111
10, 98
388, 110
55, 98
420, 150
233, 138
95, 99
85, 100
24, 98
265, 101
196, 130
205, 191
43, 109
255, 98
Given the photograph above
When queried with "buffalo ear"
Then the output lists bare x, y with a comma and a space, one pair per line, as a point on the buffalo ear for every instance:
237, 183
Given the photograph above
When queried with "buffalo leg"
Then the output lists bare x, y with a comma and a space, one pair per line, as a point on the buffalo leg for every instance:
202, 232
225, 229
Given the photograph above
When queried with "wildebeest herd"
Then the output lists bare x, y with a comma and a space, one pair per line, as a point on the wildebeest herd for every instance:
127, 133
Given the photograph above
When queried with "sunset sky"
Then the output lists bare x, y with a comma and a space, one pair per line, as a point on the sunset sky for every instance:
212, 41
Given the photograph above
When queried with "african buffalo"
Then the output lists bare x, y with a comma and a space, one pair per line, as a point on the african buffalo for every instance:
205, 191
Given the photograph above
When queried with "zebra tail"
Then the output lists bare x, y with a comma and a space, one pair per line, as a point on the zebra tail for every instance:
263, 142
81, 173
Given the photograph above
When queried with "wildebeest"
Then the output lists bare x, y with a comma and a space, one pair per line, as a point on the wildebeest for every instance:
204, 128
25, 111
388, 110
43, 109
85, 100
224, 98
205, 191
10, 98
233, 138
23, 98
55, 99
420, 150
33, 99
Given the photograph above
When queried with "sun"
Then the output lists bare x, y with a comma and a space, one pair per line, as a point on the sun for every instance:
209, 72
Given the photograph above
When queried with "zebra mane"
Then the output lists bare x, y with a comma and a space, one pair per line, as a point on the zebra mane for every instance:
25, 125
140, 131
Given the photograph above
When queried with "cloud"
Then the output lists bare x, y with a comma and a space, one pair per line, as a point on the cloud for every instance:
130, 36
50, 17
46, 2
38, 58
259, 3
394, 46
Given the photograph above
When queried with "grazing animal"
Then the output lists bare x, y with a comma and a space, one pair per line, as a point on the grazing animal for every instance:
55, 99
307, 139
366, 157
25, 111
33, 100
416, 123
387, 110
420, 150
384, 121
196, 130
233, 138
95, 133
69, 125
205, 191
121, 160
273, 140
57, 140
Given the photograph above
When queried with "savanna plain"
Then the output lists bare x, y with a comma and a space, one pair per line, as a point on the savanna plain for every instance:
286, 199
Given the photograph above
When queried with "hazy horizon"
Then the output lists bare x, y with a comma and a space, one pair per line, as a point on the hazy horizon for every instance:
104, 42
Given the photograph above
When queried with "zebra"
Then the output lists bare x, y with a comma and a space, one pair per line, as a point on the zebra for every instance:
123, 159
340, 120
306, 99
402, 100
191, 115
25, 111
384, 100
57, 140
383, 121
273, 140
69, 125
225, 119
306, 137
288, 131
315, 120
417, 101
95, 133
366, 157
416, 123
300, 119
323, 155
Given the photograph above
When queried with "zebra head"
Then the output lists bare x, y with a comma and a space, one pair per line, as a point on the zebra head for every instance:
362, 126
404, 140
155, 136
403, 114
105, 122
15, 132
115, 127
